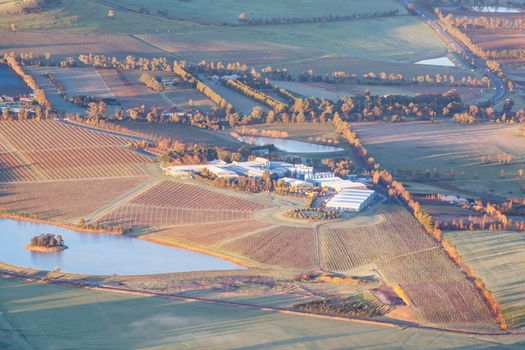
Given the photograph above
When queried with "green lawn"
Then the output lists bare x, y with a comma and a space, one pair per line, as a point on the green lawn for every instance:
58, 317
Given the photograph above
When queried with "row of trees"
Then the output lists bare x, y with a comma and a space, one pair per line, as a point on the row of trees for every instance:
255, 94
449, 23
242, 183
493, 22
36, 113
398, 79
313, 214
318, 19
150, 81
201, 87
40, 96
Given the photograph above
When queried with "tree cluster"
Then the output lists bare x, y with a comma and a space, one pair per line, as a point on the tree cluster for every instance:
47, 240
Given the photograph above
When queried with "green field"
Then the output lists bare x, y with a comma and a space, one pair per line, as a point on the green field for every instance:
398, 39
183, 133
499, 260
446, 146
401, 38
42, 316
227, 11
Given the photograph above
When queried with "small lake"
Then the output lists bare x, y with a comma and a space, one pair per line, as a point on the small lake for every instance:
99, 254
495, 9
440, 61
289, 146
10, 83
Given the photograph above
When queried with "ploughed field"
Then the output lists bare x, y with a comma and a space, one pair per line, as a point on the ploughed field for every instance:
498, 40
72, 44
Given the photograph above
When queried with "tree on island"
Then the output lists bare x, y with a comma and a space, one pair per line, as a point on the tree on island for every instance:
48, 240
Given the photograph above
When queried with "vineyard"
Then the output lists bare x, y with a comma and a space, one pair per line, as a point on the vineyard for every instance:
87, 163
346, 247
438, 289
212, 233
57, 151
12, 170
407, 256
188, 196
35, 135
62, 200
132, 215
283, 246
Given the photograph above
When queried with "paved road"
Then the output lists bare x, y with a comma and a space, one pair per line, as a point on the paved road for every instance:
500, 87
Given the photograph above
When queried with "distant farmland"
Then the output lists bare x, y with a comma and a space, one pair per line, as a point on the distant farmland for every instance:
446, 146
127, 88
78, 81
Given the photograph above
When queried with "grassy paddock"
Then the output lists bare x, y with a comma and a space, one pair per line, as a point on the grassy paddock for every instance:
227, 11
445, 146
184, 133
58, 317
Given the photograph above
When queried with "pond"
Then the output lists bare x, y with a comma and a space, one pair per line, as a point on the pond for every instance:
99, 254
10, 83
439, 61
289, 146
495, 9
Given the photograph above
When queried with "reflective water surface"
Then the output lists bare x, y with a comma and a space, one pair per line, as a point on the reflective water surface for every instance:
99, 254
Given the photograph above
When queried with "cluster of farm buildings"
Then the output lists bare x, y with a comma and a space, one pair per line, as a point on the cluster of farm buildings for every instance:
349, 194
15, 104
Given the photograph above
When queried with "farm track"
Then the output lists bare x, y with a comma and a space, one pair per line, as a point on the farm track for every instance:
124, 198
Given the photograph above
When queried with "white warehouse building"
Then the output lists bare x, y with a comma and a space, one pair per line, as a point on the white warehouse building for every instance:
350, 200
329, 180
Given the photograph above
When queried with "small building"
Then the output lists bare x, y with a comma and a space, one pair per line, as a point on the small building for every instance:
168, 82
221, 172
350, 200
289, 181
329, 180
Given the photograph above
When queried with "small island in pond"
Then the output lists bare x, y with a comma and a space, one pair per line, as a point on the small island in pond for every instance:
46, 242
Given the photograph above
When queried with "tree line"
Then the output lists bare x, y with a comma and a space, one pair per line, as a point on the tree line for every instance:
256, 95
40, 96
316, 19
399, 79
